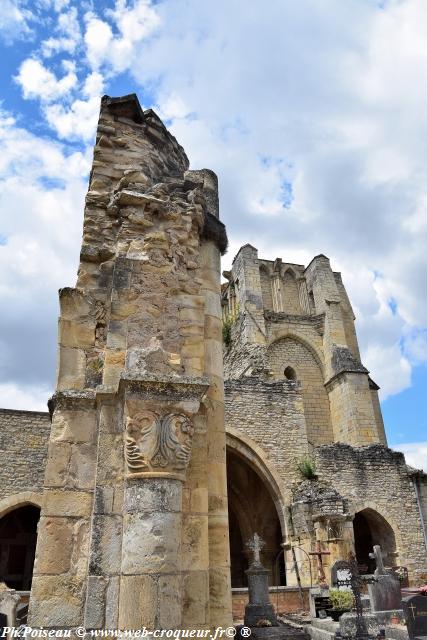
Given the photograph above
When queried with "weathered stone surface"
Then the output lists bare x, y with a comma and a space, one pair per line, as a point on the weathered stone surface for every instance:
106, 545
95, 602
385, 594
195, 609
57, 601
170, 603
348, 624
55, 546
67, 503
112, 603
138, 602
153, 495
73, 426
150, 543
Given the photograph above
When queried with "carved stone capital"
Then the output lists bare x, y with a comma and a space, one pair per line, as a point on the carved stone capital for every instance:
158, 445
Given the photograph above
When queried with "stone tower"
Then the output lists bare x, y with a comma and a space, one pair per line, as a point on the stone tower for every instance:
304, 427
300, 319
134, 525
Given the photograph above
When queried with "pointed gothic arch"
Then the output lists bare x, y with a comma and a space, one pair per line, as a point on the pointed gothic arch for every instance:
290, 295
18, 538
290, 354
266, 292
372, 528
255, 506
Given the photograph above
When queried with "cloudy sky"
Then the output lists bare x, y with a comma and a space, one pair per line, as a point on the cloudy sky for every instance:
312, 112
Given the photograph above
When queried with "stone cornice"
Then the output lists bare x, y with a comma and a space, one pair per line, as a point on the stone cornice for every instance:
169, 387
72, 399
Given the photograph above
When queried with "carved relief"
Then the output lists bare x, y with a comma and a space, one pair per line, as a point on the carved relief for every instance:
158, 443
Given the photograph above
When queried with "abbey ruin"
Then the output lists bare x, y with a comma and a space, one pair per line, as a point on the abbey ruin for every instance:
189, 415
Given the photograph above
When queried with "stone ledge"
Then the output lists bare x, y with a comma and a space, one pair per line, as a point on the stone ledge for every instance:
72, 399
171, 386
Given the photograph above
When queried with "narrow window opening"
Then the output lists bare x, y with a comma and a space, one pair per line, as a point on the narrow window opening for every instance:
290, 373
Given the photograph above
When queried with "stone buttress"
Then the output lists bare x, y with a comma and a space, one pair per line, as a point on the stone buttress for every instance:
134, 524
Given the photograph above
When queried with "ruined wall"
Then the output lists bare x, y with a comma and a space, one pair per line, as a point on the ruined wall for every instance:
289, 352
271, 414
24, 436
376, 477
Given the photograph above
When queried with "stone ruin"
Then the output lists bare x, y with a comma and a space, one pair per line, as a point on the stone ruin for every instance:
133, 529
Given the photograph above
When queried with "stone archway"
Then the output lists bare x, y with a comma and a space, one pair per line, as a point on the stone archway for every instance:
371, 528
18, 538
252, 509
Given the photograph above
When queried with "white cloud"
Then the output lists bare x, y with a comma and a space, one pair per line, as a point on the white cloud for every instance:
39, 82
331, 103
338, 116
69, 35
98, 37
77, 121
42, 194
30, 398
133, 25
415, 454
15, 20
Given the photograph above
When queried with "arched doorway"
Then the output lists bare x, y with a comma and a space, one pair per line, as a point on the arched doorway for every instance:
251, 510
18, 537
371, 528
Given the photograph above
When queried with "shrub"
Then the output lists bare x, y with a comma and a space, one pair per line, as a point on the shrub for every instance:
307, 467
341, 599
227, 323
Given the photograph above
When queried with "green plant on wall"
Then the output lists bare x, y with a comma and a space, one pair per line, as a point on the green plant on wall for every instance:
341, 599
307, 467
227, 323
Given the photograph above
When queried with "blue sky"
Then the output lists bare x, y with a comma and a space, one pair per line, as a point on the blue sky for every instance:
313, 115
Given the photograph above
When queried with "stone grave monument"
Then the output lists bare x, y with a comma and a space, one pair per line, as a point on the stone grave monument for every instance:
259, 606
415, 610
361, 624
384, 593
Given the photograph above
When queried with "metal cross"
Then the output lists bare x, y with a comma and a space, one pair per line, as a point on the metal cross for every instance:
320, 570
255, 544
355, 582
378, 557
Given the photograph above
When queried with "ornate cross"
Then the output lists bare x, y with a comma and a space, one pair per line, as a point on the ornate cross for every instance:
320, 570
378, 557
355, 582
255, 544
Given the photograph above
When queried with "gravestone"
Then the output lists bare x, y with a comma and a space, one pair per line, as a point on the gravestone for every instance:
361, 624
415, 610
259, 606
385, 592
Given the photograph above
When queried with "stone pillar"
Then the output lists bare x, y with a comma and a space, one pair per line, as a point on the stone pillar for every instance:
158, 442
136, 468
219, 552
